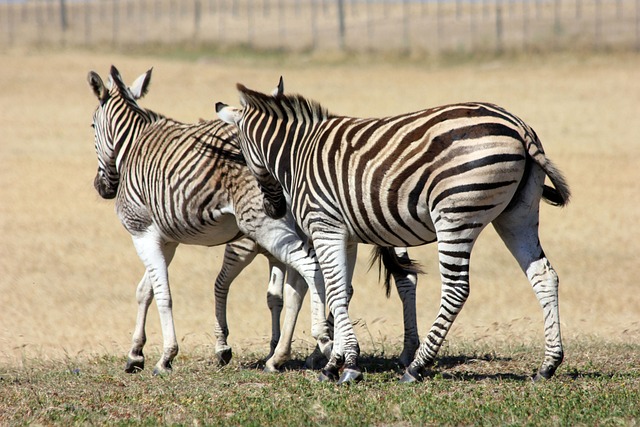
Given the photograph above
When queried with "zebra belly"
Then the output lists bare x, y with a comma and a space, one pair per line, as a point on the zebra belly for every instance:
218, 230
384, 231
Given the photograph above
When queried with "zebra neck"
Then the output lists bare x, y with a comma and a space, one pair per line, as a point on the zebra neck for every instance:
138, 125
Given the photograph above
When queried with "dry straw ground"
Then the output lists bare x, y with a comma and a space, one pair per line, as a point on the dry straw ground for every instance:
68, 270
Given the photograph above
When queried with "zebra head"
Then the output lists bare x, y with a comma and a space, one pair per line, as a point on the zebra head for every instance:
275, 204
112, 124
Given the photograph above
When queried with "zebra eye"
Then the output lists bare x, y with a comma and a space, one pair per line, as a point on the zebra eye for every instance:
93, 126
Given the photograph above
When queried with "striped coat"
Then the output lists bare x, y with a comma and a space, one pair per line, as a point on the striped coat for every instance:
188, 183
436, 175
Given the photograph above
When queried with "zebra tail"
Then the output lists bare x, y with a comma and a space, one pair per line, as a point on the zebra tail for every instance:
392, 265
559, 194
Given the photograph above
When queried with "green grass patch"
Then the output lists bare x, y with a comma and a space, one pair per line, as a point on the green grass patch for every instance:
599, 384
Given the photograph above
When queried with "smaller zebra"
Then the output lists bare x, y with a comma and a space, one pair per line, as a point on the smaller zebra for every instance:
188, 183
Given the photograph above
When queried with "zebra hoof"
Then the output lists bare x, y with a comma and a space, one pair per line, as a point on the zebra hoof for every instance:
315, 360
350, 375
543, 375
224, 356
134, 365
411, 376
162, 369
328, 375
270, 368
325, 346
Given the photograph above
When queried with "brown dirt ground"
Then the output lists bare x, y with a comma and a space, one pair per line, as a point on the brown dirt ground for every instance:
68, 270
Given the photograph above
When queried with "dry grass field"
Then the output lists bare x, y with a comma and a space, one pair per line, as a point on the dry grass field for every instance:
68, 270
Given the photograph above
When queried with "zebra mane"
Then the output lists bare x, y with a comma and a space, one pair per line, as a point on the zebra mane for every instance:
294, 105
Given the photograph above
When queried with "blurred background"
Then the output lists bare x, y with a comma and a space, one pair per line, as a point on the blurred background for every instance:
412, 27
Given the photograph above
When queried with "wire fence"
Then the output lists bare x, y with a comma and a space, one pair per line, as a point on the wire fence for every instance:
410, 26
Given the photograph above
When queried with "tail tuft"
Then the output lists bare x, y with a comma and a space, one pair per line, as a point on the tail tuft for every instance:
560, 195
393, 264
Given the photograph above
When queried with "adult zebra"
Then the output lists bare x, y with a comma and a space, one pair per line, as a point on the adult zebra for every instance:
440, 174
188, 183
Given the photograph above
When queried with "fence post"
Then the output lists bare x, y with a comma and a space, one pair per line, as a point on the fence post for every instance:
638, 25
116, 22
406, 42
341, 30
525, 25
557, 25
250, 25
314, 26
598, 23
439, 27
87, 22
197, 16
63, 16
498, 27
281, 25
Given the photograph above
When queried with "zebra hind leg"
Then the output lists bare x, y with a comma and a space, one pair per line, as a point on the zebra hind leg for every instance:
237, 256
520, 234
144, 296
454, 254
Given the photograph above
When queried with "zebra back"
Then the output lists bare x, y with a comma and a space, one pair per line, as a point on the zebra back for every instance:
391, 165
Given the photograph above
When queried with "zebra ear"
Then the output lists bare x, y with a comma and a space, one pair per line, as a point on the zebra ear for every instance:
115, 77
140, 86
115, 80
228, 114
97, 86
279, 90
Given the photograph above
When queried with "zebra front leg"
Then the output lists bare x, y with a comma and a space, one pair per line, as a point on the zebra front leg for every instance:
295, 290
156, 256
334, 256
144, 296
454, 254
281, 240
237, 255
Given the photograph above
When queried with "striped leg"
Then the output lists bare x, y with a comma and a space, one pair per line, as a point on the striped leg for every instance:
237, 256
317, 359
333, 256
454, 254
156, 256
518, 228
406, 287
526, 249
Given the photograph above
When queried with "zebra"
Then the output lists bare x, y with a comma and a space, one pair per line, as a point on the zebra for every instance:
188, 183
437, 175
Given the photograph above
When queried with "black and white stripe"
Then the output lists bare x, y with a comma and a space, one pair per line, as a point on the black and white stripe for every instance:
441, 174
188, 183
